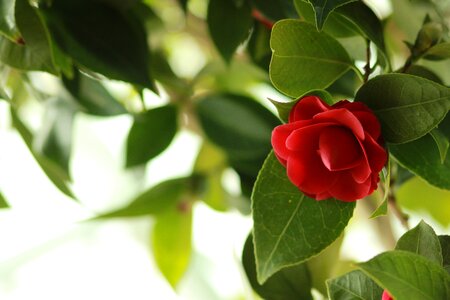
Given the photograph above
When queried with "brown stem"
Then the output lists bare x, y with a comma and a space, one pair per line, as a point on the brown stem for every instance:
367, 68
401, 216
407, 65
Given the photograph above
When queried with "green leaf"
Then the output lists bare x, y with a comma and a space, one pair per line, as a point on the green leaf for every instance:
154, 201
289, 227
171, 242
408, 107
408, 276
151, 133
365, 20
304, 59
353, 285
36, 52
3, 203
291, 283
229, 25
417, 195
221, 117
54, 139
423, 158
323, 8
55, 173
382, 209
7, 20
439, 51
424, 72
259, 46
442, 143
92, 96
284, 108
445, 246
336, 25
102, 38
422, 240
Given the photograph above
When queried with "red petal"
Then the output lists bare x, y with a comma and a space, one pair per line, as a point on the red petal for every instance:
352, 106
376, 155
339, 149
279, 137
306, 108
305, 138
346, 189
362, 171
342, 117
369, 122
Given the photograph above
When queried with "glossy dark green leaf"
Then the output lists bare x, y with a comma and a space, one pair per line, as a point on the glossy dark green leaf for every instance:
408, 107
423, 158
102, 38
275, 9
336, 25
289, 227
54, 138
290, 283
442, 143
229, 25
3, 203
156, 200
353, 285
284, 108
422, 240
7, 21
171, 242
58, 176
408, 276
323, 8
445, 246
151, 133
365, 20
304, 59
92, 96
34, 51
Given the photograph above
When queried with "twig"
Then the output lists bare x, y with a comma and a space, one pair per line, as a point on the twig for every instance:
367, 68
402, 217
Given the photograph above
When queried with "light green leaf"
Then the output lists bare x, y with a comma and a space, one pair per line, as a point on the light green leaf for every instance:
55, 173
439, 51
442, 143
289, 227
304, 59
102, 38
151, 133
423, 158
353, 285
92, 96
291, 283
417, 195
323, 8
382, 209
422, 240
7, 21
36, 52
407, 106
3, 203
54, 138
408, 276
284, 108
229, 25
171, 242
154, 201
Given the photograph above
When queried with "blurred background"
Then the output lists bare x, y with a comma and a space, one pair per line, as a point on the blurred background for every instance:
53, 247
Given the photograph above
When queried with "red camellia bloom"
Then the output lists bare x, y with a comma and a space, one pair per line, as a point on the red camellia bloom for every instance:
386, 296
331, 151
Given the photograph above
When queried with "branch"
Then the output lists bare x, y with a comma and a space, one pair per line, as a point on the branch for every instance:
367, 68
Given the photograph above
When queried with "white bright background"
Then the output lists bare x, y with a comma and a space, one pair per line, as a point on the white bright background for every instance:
48, 252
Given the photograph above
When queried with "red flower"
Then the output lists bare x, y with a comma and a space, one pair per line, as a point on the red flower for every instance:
331, 151
386, 296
